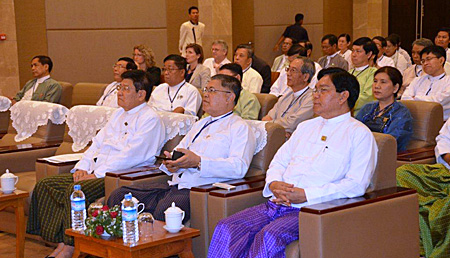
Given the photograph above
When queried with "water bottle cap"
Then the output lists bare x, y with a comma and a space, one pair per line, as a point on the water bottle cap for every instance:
128, 196
77, 187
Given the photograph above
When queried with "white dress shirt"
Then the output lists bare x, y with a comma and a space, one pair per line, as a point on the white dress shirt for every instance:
443, 144
252, 80
280, 88
29, 93
400, 62
385, 61
448, 54
226, 148
212, 65
329, 158
187, 97
109, 97
129, 139
348, 57
432, 89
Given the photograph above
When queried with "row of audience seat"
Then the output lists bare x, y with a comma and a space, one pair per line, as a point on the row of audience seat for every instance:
382, 223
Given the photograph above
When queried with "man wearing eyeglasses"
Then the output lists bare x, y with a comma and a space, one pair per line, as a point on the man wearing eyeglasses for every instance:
435, 85
329, 157
175, 95
297, 105
132, 137
217, 148
109, 97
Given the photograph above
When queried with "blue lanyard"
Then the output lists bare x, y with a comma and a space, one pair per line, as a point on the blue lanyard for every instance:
431, 85
209, 123
293, 102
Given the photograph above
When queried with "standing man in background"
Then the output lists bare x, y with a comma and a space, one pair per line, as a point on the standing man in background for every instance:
191, 31
295, 31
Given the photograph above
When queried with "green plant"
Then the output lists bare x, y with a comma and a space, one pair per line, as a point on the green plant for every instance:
104, 220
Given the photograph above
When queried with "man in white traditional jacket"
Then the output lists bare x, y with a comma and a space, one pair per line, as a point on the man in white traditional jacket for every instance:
329, 157
132, 137
217, 148
191, 31
109, 97
251, 80
435, 85
175, 95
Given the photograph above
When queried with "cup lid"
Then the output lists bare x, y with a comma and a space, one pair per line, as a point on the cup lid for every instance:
8, 175
173, 209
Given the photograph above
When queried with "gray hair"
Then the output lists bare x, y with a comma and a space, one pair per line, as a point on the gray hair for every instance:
246, 46
221, 42
424, 42
308, 67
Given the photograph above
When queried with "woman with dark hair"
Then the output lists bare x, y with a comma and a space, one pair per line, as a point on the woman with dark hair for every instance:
145, 60
344, 42
386, 115
196, 74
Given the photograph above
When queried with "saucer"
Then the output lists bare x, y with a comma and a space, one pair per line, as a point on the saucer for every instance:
8, 192
173, 230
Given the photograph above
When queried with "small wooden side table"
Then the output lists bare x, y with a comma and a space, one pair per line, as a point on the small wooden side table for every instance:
160, 244
16, 200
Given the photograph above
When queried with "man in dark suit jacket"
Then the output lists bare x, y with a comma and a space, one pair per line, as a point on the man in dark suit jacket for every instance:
264, 70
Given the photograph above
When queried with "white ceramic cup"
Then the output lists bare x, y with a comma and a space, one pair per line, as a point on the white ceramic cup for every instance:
9, 184
174, 221
143, 207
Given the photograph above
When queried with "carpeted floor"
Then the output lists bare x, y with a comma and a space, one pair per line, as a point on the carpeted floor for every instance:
33, 248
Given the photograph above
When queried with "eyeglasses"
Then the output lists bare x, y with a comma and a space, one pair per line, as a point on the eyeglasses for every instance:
120, 66
428, 59
292, 70
212, 90
123, 88
169, 69
321, 91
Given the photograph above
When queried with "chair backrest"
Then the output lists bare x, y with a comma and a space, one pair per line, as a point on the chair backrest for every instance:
274, 77
267, 101
66, 96
428, 120
47, 133
384, 174
66, 145
87, 93
276, 136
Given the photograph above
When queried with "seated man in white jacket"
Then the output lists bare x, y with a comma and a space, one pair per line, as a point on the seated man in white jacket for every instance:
132, 137
217, 148
175, 95
109, 97
329, 157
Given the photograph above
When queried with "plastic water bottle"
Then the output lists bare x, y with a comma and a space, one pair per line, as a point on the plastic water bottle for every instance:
129, 221
78, 209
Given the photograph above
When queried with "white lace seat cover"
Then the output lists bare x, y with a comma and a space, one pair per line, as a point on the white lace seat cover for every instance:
259, 129
84, 121
28, 115
5, 103
176, 124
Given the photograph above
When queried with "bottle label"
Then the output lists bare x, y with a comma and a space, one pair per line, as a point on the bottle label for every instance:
78, 205
129, 214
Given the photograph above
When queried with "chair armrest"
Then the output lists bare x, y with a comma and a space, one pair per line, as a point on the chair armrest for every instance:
112, 179
28, 147
416, 154
18, 158
46, 168
235, 182
383, 223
